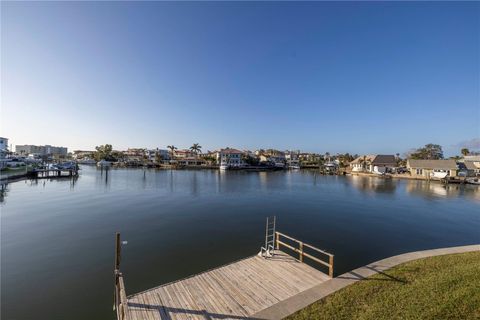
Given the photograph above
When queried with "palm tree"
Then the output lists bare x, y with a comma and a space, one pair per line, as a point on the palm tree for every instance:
172, 151
465, 151
158, 157
364, 163
196, 148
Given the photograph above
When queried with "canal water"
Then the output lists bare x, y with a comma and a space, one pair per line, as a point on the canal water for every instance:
57, 237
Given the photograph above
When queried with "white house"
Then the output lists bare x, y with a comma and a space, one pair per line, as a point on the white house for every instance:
373, 163
230, 157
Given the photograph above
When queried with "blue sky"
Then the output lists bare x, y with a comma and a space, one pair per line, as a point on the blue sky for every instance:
370, 77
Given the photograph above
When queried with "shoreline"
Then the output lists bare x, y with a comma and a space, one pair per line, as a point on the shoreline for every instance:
407, 177
298, 302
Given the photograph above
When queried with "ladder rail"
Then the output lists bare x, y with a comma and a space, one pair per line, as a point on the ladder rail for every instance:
270, 231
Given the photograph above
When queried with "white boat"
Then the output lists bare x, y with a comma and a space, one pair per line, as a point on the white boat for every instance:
294, 167
473, 181
223, 166
104, 163
439, 175
87, 161
279, 165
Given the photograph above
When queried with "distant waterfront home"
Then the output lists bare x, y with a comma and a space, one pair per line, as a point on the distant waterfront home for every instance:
185, 153
432, 168
229, 156
3, 147
191, 161
135, 152
379, 163
82, 154
153, 154
473, 168
472, 158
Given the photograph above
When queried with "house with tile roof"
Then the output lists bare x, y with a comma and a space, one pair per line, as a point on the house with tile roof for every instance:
229, 156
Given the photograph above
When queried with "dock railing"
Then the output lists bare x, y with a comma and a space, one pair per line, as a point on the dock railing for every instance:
302, 253
120, 293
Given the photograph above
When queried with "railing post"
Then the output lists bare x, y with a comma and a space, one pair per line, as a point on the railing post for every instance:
301, 250
118, 252
330, 268
277, 236
116, 272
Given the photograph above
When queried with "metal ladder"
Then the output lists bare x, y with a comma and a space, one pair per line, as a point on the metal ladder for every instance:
268, 249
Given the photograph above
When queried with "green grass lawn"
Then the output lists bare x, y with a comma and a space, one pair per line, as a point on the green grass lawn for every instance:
442, 287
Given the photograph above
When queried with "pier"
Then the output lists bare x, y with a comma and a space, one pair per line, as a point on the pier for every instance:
237, 290
53, 173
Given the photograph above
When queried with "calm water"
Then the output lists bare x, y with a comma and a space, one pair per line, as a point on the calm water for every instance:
57, 237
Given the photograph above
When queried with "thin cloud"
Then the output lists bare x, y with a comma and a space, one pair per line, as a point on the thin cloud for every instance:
470, 144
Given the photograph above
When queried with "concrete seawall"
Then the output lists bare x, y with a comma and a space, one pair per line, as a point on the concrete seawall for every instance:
304, 299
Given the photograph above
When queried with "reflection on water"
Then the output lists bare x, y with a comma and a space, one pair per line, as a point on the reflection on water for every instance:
432, 190
231, 182
3, 191
373, 184
61, 230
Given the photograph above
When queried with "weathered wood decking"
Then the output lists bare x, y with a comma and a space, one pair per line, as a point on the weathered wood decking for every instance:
234, 291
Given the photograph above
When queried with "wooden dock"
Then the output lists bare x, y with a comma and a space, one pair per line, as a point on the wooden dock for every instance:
54, 173
234, 291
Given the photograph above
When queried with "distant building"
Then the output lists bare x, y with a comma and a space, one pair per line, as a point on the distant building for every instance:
46, 150
472, 158
83, 154
162, 153
229, 156
184, 153
432, 168
191, 161
134, 152
473, 168
379, 163
3, 147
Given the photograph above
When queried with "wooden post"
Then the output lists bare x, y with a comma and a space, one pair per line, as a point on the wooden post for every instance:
118, 247
277, 236
301, 251
330, 268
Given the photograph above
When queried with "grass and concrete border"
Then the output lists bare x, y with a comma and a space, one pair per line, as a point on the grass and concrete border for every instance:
306, 298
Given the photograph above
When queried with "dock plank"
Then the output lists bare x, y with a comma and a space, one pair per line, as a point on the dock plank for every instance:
234, 291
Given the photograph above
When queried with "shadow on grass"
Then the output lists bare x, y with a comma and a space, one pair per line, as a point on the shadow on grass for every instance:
388, 277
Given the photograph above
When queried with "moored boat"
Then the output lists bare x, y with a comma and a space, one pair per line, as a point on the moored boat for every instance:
473, 181
87, 161
104, 163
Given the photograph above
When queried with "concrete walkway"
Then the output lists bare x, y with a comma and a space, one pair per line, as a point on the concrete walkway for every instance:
305, 298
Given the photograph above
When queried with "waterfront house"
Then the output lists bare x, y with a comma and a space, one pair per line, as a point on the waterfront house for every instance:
292, 159
184, 153
230, 157
472, 168
83, 154
3, 147
135, 152
428, 169
379, 163
191, 161
152, 154
473, 157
